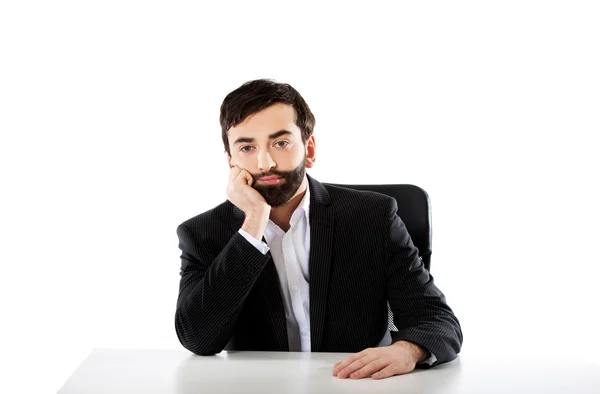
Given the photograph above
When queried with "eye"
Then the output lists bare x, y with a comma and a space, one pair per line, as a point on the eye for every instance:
282, 144
246, 149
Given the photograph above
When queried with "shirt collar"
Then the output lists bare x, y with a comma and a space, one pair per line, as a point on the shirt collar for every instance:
305, 203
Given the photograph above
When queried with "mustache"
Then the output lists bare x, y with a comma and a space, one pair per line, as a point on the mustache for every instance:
271, 173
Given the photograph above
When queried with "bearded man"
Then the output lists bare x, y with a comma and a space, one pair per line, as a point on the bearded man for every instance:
291, 264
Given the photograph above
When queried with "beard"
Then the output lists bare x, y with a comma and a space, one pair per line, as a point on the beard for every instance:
279, 195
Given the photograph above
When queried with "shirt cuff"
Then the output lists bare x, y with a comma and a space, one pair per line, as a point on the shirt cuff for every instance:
261, 246
430, 360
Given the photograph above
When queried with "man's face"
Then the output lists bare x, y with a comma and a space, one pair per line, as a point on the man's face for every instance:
268, 144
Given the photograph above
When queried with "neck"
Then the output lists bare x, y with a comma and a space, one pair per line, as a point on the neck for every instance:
282, 215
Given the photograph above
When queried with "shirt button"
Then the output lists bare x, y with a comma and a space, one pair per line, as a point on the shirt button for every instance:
294, 287
304, 332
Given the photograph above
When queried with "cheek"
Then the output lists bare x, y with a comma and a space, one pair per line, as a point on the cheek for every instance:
245, 162
290, 160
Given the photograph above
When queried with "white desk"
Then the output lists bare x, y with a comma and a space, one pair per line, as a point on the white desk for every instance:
179, 371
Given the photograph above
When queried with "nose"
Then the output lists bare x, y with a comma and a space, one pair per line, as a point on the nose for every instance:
265, 161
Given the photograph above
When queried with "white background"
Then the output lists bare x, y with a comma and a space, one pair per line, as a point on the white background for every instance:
110, 138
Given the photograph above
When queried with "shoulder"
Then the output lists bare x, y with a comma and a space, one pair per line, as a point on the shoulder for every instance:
360, 200
207, 233
361, 209
219, 216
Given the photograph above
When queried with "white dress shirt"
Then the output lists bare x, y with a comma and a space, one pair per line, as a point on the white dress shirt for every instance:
290, 252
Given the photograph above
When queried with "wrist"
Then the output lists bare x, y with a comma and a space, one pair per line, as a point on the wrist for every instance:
255, 224
417, 352
260, 212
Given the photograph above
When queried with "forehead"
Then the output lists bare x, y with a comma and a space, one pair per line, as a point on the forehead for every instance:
270, 120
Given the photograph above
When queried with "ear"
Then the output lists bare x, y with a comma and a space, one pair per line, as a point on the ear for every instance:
310, 151
228, 159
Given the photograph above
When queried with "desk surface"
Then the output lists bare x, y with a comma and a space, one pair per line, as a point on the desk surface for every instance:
178, 371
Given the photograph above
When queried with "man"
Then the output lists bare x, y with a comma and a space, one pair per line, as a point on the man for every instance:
290, 264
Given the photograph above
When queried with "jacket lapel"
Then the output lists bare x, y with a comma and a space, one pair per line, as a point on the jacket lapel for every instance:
322, 220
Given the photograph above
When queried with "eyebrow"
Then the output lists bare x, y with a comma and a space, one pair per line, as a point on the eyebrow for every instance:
277, 134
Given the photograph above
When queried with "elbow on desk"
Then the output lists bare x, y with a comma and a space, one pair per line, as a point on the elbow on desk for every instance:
201, 349
201, 352
189, 341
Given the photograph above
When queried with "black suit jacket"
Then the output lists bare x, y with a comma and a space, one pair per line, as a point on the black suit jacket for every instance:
361, 257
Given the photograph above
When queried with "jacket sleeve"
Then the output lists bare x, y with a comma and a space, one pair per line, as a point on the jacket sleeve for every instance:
212, 289
418, 306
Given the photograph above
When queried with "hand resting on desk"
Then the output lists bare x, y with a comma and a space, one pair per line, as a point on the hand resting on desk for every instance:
396, 359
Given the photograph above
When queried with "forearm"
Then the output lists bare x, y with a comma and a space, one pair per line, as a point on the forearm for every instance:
211, 298
436, 330
420, 311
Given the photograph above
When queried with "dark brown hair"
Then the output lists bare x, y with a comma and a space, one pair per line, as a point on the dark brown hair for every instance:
254, 96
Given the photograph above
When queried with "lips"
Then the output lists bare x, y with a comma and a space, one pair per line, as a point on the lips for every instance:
269, 178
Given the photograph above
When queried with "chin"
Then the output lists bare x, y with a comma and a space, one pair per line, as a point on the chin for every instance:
281, 205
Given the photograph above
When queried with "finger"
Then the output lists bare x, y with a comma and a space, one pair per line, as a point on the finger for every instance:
247, 177
386, 372
243, 175
353, 358
234, 172
347, 362
355, 366
369, 369
334, 370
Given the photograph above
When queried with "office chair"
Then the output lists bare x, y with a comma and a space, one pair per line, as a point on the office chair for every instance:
415, 211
